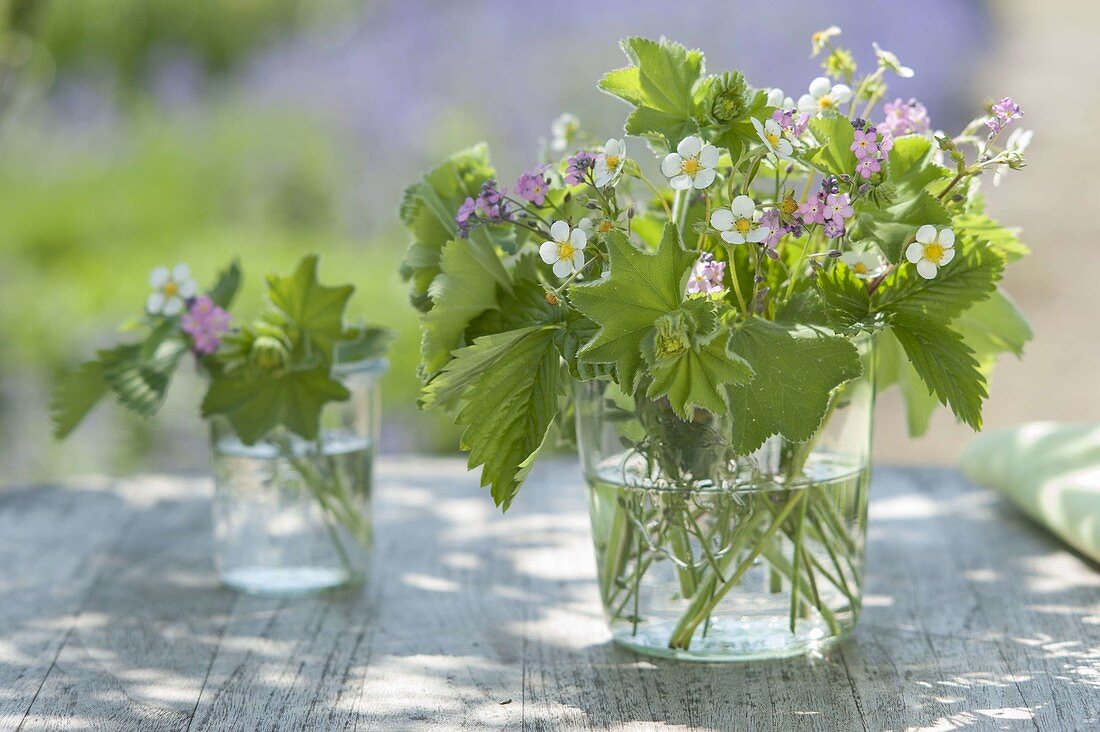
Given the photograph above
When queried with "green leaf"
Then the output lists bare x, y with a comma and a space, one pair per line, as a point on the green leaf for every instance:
578, 331
972, 276
945, 364
688, 362
139, 373
363, 342
981, 229
471, 274
641, 288
994, 326
847, 304
911, 165
75, 395
508, 403
804, 307
227, 286
894, 226
316, 311
796, 370
835, 156
256, 403
661, 86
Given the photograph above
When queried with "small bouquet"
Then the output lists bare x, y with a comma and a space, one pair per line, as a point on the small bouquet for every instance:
706, 323
278, 387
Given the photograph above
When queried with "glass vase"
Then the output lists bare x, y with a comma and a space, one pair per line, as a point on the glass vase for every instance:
291, 516
707, 555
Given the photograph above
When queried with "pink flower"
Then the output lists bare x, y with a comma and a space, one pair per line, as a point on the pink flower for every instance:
1004, 112
886, 144
813, 211
205, 322
706, 276
865, 143
868, 167
798, 128
532, 186
770, 219
838, 207
834, 229
903, 118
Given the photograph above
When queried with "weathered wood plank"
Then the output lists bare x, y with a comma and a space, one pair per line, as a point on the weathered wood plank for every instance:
974, 618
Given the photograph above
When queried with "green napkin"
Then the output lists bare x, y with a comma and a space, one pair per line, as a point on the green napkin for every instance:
1050, 470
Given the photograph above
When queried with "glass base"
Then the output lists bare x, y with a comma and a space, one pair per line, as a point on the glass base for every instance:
287, 581
751, 640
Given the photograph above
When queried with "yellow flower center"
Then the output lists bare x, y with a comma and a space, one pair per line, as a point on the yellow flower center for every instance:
743, 226
691, 166
773, 138
171, 289
613, 161
933, 253
825, 102
605, 226
860, 268
565, 250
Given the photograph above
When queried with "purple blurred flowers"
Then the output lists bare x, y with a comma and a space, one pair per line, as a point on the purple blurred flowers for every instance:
205, 322
578, 167
904, 118
706, 276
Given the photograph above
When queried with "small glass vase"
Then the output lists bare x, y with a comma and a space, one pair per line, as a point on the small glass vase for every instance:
706, 555
292, 517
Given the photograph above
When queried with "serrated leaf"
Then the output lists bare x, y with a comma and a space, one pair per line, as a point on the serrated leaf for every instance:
508, 404
894, 226
579, 330
972, 276
316, 311
796, 370
229, 283
911, 167
845, 299
469, 363
257, 403
471, 275
139, 373
660, 85
835, 156
75, 395
993, 326
640, 289
981, 229
946, 365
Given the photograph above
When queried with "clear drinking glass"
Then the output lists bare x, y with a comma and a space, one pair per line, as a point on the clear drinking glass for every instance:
292, 517
707, 555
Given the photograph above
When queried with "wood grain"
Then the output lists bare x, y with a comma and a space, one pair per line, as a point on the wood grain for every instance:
111, 618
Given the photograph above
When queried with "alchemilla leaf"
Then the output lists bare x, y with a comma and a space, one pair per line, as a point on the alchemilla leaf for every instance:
316, 312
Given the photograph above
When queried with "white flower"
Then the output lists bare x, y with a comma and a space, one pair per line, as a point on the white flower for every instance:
610, 163
931, 250
692, 165
890, 61
563, 130
1017, 143
772, 136
865, 264
587, 226
777, 99
566, 250
823, 96
821, 38
171, 290
738, 223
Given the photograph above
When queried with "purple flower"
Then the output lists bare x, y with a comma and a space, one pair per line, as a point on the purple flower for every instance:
798, 128
205, 322
1004, 112
784, 118
868, 167
491, 203
903, 118
838, 206
813, 211
834, 228
886, 144
465, 211
578, 166
770, 219
532, 185
706, 276
865, 143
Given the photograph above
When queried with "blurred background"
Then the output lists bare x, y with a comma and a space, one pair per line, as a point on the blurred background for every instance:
144, 132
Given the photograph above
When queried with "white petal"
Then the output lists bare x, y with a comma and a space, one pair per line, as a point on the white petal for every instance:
708, 156
549, 252
759, 127
742, 206
704, 178
680, 183
946, 238
578, 259
181, 272
155, 303
820, 86
173, 306
722, 219
914, 252
562, 268
578, 239
690, 146
188, 289
758, 235
585, 225
841, 93
904, 72
926, 269
158, 278
948, 255
615, 147
926, 234
559, 230
775, 98
733, 237
672, 165
806, 103
784, 148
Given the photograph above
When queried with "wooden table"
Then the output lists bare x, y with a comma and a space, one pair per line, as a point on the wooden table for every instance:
111, 618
